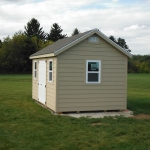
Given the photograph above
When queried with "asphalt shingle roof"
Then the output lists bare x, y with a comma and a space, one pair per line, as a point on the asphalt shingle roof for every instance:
59, 44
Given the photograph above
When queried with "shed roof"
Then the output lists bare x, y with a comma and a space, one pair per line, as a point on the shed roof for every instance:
63, 44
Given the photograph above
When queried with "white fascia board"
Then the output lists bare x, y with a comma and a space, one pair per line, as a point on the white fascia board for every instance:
42, 56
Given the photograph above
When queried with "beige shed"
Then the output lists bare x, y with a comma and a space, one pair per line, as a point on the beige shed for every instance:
84, 72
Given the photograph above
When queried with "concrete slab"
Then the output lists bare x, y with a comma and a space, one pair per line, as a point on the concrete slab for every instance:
125, 113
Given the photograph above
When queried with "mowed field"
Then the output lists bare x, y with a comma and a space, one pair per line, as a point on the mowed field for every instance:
25, 125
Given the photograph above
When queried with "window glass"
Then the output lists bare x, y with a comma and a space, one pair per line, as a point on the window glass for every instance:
50, 65
93, 77
35, 65
50, 76
35, 73
50, 70
93, 66
35, 69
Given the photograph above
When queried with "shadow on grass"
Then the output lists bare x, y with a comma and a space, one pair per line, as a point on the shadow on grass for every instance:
139, 106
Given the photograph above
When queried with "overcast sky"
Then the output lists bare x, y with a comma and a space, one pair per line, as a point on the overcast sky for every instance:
128, 19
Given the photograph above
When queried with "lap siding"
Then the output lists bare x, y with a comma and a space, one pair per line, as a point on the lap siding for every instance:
73, 92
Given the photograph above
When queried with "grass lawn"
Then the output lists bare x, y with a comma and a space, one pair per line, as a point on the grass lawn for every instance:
25, 125
139, 93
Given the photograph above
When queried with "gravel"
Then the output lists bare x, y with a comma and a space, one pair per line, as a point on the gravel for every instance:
125, 113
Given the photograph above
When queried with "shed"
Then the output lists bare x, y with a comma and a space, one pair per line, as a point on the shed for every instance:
84, 72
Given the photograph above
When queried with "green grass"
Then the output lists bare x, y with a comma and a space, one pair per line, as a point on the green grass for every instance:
25, 125
139, 93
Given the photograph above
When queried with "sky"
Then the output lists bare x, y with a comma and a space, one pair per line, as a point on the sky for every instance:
128, 19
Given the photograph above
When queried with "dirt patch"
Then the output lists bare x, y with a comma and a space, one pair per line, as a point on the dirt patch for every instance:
142, 116
98, 123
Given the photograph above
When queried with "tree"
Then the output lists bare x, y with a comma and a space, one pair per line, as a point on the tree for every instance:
0, 43
15, 52
33, 29
76, 31
145, 67
113, 39
55, 33
121, 42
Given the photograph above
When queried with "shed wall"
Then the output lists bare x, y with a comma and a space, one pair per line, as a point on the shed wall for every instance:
50, 86
73, 92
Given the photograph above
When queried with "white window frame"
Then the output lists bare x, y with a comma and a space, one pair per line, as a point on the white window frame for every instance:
99, 72
35, 69
50, 71
93, 39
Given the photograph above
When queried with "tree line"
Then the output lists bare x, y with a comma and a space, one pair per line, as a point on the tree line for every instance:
15, 51
139, 64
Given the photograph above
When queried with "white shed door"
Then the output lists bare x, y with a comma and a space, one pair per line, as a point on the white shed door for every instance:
42, 82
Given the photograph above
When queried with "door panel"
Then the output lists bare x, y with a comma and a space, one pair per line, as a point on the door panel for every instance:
42, 82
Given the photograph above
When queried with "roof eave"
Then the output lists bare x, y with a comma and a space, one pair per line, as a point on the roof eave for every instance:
42, 56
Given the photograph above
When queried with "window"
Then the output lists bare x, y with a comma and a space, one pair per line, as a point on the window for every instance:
35, 69
93, 69
93, 39
50, 70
